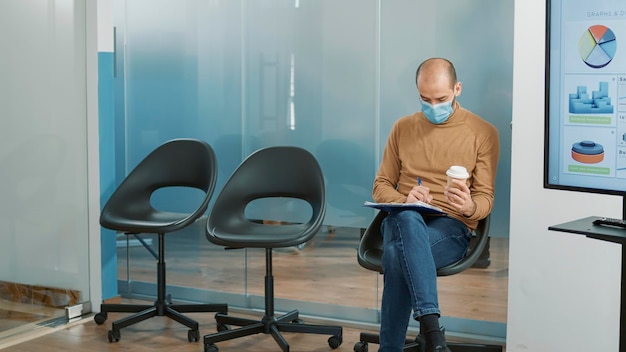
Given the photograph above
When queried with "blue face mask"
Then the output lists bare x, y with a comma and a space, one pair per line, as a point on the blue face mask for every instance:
437, 113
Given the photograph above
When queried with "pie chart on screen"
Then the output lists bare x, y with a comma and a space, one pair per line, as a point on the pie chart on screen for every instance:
597, 46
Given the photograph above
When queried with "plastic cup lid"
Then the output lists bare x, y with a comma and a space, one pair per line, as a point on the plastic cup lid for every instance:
457, 172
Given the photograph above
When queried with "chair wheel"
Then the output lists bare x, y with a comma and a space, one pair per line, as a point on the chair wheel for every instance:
211, 348
360, 346
297, 321
335, 341
222, 327
193, 335
113, 335
100, 318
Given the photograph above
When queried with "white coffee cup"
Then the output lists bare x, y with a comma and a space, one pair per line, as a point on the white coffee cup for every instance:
456, 172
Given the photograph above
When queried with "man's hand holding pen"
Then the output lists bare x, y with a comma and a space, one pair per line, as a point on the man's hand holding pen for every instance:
419, 193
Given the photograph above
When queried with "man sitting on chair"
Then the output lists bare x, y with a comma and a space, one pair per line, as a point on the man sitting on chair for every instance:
422, 146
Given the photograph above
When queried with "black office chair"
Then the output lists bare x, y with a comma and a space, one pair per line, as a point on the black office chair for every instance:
176, 163
370, 254
272, 172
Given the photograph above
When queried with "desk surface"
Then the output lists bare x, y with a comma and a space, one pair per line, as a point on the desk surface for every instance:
586, 227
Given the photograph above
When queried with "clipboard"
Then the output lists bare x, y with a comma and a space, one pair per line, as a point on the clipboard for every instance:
421, 207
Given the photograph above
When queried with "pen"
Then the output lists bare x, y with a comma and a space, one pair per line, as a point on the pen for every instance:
419, 181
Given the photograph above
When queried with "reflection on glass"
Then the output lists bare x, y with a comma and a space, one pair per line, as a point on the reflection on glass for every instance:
292, 92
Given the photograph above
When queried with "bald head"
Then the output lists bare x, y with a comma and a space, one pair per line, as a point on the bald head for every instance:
435, 69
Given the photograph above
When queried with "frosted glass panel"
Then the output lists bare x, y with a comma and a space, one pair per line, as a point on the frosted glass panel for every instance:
43, 154
179, 75
304, 86
328, 75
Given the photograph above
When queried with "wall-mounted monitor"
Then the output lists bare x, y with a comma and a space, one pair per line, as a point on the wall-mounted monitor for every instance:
585, 106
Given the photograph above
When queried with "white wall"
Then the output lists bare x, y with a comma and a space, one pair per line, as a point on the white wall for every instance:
564, 289
92, 10
105, 26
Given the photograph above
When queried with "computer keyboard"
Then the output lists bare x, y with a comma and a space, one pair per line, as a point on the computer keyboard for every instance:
610, 222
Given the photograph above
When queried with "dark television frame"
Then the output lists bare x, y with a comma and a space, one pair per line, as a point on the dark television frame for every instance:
546, 181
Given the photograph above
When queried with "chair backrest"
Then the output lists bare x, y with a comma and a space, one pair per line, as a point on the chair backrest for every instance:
370, 250
279, 171
181, 162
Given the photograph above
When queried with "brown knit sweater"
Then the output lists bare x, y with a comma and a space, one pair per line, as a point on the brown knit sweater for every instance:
416, 147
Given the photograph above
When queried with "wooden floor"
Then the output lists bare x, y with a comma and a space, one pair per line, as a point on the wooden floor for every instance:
324, 271
14, 315
160, 334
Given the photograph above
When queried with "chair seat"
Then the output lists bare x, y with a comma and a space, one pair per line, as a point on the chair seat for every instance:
153, 222
255, 235
372, 260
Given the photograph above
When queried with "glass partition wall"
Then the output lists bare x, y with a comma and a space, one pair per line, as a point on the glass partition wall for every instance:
44, 200
330, 76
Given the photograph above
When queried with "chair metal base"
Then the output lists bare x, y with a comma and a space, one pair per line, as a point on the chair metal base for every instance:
272, 325
417, 345
162, 307
144, 312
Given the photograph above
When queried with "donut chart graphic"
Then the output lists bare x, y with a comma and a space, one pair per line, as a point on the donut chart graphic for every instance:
597, 46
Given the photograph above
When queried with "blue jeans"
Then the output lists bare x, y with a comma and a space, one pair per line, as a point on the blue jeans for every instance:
414, 246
